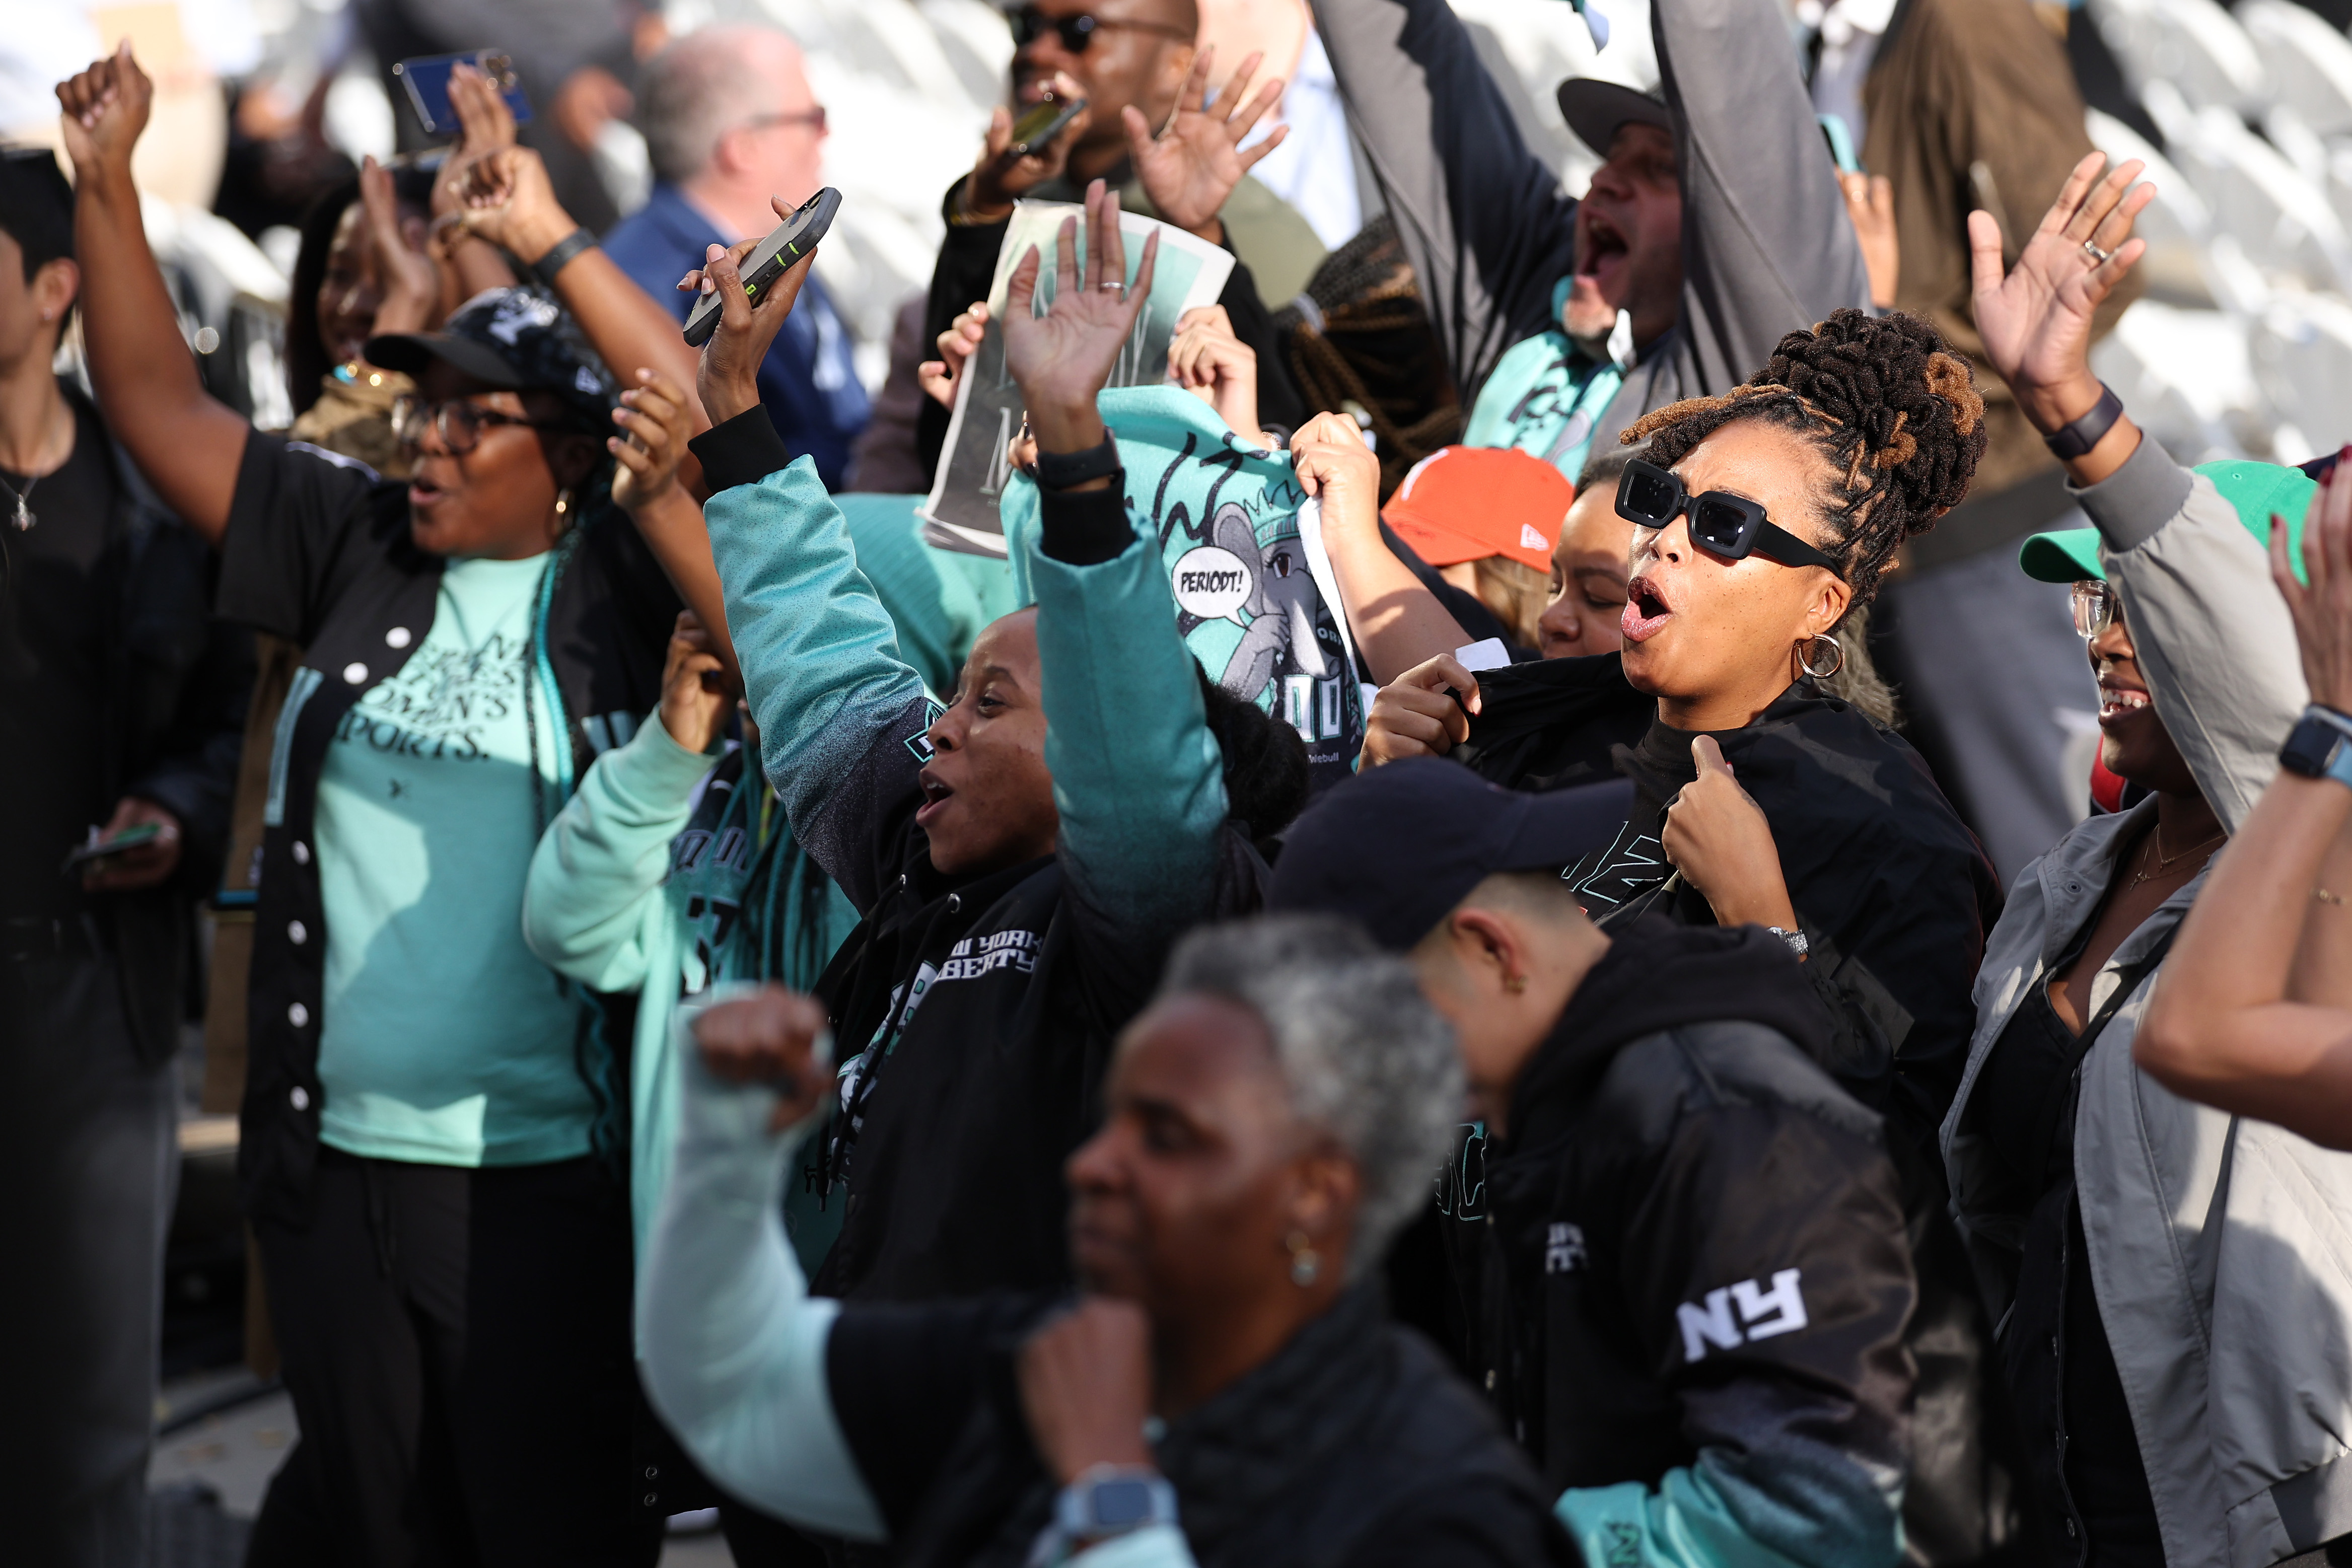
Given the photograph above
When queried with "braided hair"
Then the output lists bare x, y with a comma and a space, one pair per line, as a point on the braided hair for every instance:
1895, 411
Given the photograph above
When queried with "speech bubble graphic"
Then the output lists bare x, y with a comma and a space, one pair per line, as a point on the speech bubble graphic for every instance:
1211, 582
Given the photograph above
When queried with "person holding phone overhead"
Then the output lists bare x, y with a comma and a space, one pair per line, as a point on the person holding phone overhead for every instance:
429, 1149
120, 700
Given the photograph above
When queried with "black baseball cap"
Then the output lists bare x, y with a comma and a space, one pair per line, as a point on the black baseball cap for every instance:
1397, 848
1594, 108
517, 340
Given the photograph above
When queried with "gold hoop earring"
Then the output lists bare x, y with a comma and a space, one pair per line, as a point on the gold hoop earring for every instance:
562, 509
1305, 1262
1810, 661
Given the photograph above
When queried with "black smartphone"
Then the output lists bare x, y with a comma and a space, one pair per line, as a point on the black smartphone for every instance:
128, 839
426, 79
785, 244
1039, 125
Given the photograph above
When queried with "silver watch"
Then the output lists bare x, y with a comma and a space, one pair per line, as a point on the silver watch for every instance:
1795, 939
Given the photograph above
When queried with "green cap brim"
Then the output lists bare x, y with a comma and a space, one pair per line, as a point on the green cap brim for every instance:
2062, 555
2258, 490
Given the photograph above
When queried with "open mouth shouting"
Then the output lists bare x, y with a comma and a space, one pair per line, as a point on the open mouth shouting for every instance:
1646, 609
936, 797
1602, 252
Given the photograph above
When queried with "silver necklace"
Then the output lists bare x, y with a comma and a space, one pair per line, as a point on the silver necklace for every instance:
23, 517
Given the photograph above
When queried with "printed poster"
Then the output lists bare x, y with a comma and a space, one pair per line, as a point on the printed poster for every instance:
962, 511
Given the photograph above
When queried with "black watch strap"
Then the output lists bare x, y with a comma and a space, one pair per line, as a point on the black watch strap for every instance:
2071, 440
1060, 471
560, 256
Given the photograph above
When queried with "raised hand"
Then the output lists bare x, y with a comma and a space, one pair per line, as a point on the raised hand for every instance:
1333, 466
485, 124
654, 412
938, 376
105, 109
2036, 321
695, 700
1192, 167
2321, 603
728, 380
1061, 358
774, 1037
1207, 359
411, 284
997, 180
1870, 203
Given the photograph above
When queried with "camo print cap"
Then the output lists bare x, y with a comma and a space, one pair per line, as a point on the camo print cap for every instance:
515, 339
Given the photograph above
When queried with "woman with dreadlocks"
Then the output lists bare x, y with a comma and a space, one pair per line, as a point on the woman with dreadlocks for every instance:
1763, 522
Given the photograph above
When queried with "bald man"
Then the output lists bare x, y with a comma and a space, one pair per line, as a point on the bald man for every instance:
729, 120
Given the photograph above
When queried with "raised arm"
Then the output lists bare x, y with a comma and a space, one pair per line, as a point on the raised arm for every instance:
188, 445
1137, 775
2249, 1015
598, 871
1399, 623
836, 705
734, 1347
2220, 659
1767, 247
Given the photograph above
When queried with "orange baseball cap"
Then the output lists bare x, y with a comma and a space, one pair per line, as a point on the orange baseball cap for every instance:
1465, 503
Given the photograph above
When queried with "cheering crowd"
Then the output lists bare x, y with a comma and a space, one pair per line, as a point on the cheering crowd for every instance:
1379, 984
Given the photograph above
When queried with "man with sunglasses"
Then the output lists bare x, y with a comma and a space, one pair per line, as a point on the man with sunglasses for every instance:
1173, 159
729, 121
1714, 225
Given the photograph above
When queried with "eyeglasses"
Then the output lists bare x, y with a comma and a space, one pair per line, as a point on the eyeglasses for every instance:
457, 422
1721, 524
2096, 607
1077, 31
812, 118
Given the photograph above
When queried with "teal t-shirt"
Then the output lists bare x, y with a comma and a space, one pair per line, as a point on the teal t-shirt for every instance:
1545, 397
445, 1041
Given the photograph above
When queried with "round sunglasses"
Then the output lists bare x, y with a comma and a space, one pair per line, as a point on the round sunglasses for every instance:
1721, 524
1078, 30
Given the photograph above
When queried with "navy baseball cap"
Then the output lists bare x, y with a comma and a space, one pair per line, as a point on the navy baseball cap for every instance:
517, 340
1395, 848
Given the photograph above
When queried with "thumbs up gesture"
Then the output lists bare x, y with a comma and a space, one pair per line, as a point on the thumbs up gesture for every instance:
1717, 836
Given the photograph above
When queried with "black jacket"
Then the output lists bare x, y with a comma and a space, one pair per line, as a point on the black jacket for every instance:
1694, 1253
1352, 1447
176, 683
318, 552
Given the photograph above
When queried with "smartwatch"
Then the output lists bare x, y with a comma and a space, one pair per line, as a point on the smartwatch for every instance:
2320, 746
1112, 1499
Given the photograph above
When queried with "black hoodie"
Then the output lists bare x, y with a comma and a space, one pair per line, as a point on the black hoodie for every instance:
1694, 1255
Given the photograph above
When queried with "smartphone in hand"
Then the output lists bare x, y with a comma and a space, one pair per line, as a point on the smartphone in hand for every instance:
426, 79
1037, 127
769, 260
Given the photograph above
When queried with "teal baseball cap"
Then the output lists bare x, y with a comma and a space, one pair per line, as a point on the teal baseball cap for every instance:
2255, 490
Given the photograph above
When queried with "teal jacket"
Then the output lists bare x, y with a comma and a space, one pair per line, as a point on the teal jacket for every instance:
976, 1011
664, 875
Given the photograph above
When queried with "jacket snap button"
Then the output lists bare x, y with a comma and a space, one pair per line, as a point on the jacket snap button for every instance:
354, 672
651, 1499
1490, 1380
396, 637
297, 933
299, 1099
297, 1015
955, 902
302, 853
653, 1472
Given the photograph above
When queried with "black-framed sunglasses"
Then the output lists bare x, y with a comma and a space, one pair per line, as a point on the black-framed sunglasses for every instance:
1077, 31
2095, 606
457, 422
1721, 524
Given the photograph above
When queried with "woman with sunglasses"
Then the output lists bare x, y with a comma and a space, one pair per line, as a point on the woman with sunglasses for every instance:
429, 1149
2174, 1348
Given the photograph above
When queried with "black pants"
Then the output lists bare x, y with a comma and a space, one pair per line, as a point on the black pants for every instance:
458, 1345
89, 1164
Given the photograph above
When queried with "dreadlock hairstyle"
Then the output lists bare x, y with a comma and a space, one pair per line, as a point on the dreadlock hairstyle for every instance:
1895, 411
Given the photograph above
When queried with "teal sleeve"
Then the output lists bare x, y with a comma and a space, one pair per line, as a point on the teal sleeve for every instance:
734, 1346
1710, 1516
820, 658
596, 878
1138, 778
